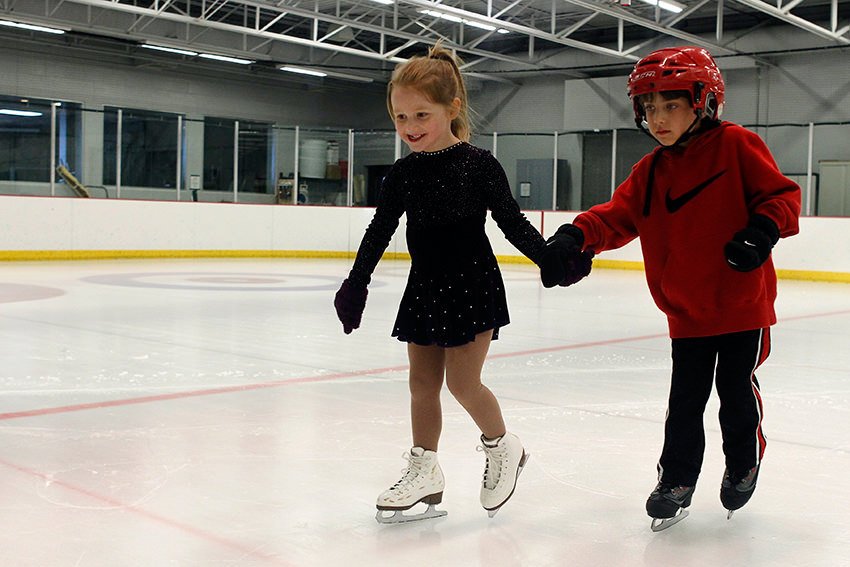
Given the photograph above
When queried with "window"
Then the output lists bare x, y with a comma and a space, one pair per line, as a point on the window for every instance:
148, 148
254, 150
25, 138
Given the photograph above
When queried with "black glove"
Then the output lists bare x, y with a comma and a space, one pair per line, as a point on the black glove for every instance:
751, 247
577, 268
349, 302
562, 261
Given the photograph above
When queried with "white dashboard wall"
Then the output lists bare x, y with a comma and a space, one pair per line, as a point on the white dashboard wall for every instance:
33, 228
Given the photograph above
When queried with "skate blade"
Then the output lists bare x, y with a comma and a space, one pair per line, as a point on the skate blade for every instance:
399, 517
729, 514
525, 457
659, 524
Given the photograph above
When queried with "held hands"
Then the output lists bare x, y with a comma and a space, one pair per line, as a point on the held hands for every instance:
563, 263
349, 303
751, 247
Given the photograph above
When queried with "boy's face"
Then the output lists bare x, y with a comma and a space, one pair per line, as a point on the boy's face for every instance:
668, 119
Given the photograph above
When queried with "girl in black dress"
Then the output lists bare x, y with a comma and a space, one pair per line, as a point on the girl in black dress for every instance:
454, 303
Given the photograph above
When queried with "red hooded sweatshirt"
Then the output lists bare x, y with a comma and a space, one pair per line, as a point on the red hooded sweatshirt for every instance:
685, 204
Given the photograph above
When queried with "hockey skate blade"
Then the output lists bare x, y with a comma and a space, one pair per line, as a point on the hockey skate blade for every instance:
525, 457
399, 517
729, 514
659, 524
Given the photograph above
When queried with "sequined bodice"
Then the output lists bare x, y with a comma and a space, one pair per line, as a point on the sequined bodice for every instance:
446, 195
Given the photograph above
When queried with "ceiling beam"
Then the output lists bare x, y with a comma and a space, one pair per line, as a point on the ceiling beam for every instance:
620, 13
781, 14
517, 28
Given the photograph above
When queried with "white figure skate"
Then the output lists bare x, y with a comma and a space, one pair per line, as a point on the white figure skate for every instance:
422, 481
505, 461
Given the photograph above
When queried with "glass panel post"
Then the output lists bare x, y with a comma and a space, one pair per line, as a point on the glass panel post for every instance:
807, 211
349, 185
118, 145
52, 149
235, 161
296, 186
613, 161
179, 179
555, 174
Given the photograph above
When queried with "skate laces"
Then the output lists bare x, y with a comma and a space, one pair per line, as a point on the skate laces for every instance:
675, 490
415, 467
496, 456
742, 481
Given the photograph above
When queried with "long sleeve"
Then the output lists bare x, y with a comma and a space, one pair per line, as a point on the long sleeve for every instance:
506, 212
379, 232
766, 190
611, 225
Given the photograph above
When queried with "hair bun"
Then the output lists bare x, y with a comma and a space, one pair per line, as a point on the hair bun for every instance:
440, 54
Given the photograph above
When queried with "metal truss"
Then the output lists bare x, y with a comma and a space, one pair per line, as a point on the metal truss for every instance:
359, 39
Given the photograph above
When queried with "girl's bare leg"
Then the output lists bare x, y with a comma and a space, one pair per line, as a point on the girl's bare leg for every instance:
463, 376
427, 367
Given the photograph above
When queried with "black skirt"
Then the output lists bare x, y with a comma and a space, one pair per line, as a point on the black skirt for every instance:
449, 306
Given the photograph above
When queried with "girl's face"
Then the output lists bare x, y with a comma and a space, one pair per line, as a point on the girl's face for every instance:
423, 125
668, 119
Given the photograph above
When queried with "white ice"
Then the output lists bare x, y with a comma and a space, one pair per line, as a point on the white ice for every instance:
212, 412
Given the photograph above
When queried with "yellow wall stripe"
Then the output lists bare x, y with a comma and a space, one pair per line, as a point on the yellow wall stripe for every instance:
41, 255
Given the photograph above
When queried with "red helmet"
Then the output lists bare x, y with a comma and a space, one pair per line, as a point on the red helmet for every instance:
687, 68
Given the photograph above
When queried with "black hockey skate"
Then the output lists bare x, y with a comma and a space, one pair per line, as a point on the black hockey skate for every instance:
666, 505
737, 489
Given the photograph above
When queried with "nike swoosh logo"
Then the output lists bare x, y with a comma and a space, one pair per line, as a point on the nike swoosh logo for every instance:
674, 205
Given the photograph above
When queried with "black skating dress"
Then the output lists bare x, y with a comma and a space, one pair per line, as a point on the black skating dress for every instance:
454, 289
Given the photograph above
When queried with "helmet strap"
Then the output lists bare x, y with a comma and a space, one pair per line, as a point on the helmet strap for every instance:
687, 134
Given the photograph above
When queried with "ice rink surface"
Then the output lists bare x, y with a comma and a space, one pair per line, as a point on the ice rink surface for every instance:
212, 413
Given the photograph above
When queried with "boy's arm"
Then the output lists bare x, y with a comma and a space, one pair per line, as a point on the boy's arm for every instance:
768, 193
569, 252
610, 225
773, 203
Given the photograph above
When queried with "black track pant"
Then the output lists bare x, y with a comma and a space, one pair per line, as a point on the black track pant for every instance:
729, 361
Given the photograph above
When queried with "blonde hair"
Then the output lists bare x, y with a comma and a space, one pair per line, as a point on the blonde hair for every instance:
437, 76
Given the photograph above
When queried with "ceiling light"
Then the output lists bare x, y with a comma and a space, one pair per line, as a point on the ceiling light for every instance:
302, 71
326, 73
169, 49
669, 5
30, 27
460, 20
225, 58
385, 2
27, 113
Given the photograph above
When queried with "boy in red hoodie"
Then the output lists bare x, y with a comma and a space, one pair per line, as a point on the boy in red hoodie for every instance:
708, 205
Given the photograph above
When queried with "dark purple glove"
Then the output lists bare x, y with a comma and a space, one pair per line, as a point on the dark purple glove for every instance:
563, 263
750, 248
349, 303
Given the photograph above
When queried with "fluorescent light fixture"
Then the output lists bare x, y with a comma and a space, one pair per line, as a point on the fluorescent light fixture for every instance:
669, 5
27, 113
30, 27
325, 73
190, 53
169, 49
385, 2
460, 20
301, 71
225, 58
